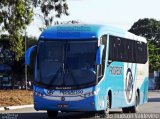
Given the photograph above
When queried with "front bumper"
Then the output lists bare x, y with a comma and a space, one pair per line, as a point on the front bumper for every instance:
86, 104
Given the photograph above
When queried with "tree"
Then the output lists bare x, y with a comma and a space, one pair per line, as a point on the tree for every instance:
51, 9
7, 56
15, 15
154, 57
150, 29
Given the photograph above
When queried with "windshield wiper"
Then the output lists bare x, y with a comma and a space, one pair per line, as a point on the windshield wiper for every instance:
73, 78
54, 77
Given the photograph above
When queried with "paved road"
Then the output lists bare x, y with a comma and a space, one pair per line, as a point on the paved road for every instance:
153, 106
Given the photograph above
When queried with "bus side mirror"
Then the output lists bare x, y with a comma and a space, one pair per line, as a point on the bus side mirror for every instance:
99, 55
28, 54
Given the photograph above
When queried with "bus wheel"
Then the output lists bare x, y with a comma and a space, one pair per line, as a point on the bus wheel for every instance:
106, 111
108, 105
125, 110
134, 108
52, 114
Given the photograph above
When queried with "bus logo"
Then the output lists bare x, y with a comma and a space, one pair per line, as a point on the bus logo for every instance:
63, 98
115, 70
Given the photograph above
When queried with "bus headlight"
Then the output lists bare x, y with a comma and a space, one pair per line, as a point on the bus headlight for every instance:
39, 94
92, 93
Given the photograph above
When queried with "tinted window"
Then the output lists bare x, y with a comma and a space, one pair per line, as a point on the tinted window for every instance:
127, 50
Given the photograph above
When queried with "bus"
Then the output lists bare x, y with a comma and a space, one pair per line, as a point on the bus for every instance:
89, 67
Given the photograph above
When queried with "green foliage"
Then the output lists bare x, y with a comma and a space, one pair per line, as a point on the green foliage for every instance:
50, 9
150, 29
7, 56
154, 57
14, 16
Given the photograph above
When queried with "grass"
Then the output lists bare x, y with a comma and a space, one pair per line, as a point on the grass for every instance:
15, 97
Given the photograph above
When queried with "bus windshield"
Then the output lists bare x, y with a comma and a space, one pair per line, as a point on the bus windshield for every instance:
67, 63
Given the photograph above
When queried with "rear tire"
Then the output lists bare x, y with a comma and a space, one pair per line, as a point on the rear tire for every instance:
52, 114
125, 110
134, 108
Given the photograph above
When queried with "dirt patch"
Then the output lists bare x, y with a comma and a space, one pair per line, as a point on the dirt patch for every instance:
15, 97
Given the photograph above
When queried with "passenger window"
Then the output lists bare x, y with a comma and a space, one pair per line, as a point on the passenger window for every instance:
127, 50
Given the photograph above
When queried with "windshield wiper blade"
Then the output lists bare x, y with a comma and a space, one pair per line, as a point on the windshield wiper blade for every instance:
54, 77
73, 78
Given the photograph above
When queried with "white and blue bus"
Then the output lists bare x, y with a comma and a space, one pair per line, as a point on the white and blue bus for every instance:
89, 68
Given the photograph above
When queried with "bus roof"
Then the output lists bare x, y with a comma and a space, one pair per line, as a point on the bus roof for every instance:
85, 31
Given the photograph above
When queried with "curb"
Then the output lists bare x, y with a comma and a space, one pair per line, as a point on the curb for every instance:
15, 107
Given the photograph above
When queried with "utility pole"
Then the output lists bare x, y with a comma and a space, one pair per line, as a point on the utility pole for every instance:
25, 40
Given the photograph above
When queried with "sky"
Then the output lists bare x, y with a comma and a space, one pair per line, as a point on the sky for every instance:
118, 13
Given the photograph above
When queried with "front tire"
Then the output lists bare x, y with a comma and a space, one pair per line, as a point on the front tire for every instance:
106, 111
52, 114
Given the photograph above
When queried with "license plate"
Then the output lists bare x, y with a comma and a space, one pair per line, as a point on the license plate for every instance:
62, 105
